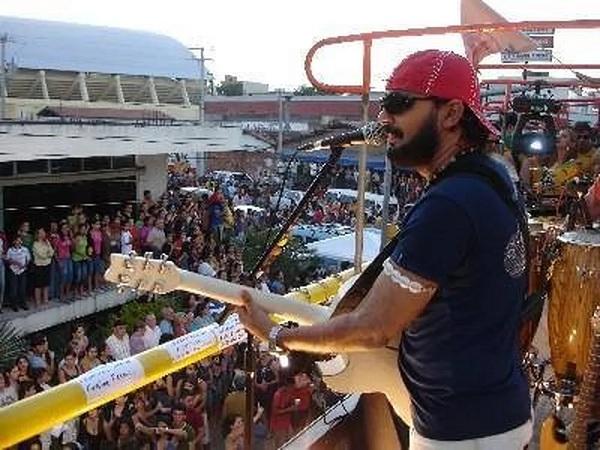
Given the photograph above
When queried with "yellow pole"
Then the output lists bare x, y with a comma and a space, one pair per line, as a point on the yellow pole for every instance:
39, 413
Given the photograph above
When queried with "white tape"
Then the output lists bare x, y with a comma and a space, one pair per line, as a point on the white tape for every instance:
191, 343
107, 379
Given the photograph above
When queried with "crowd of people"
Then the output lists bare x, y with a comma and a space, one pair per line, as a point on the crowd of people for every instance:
204, 234
199, 407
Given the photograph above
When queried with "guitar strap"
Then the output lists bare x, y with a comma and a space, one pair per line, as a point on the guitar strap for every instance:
532, 306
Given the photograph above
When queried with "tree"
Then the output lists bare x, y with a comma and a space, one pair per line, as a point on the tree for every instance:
296, 262
306, 90
12, 345
230, 86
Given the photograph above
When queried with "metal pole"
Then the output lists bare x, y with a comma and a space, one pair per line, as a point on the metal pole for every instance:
280, 134
201, 90
200, 160
362, 162
3, 41
387, 188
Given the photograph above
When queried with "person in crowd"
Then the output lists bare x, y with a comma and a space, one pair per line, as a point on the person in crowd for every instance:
97, 260
90, 359
25, 235
126, 239
152, 331
118, 342
167, 322
91, 433
53, 236
80, 338
115, 235
64, 246
8, 390
148, 223
283, 407
136, 340
81, 258
68, 368
233, 432
157, 238
104, 354
18, 258
42, 259
37, 356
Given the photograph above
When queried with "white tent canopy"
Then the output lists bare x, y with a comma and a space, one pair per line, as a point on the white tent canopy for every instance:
341, 248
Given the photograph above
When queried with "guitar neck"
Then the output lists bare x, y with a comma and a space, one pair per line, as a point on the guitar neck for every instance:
224, 291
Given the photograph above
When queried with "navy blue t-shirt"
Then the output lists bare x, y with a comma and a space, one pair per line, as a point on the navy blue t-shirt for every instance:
460, 358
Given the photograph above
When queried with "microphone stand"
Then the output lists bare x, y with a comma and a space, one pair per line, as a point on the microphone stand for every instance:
264, 261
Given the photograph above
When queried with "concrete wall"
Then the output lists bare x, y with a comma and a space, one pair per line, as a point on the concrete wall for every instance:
250, 162
153, 177
33, 321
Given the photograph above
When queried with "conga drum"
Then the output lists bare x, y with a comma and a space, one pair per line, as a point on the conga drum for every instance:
574, 293
542, 242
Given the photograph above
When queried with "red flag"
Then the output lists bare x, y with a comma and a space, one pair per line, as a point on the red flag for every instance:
479, 45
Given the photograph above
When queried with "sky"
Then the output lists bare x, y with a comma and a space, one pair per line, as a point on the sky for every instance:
267, 40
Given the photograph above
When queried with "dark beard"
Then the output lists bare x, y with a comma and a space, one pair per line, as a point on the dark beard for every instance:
419, 150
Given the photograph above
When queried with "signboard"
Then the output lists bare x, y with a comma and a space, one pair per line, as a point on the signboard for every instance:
544, 39
544, 55
532, 74
538, 31
543, 42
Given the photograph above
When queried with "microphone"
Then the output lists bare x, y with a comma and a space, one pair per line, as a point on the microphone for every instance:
372, 134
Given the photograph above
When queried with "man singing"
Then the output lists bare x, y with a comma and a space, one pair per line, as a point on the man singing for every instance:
455, 284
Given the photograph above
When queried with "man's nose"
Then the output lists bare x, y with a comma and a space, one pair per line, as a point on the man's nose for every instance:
383, 118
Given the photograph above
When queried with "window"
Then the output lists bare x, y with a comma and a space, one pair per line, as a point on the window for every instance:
35, 166
96, 163
66, 165
124, 162
6, 169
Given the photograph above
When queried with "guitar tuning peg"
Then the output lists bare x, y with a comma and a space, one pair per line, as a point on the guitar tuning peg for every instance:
157, 289
164, 258
121, 288
147, 257
124, 278
136, 287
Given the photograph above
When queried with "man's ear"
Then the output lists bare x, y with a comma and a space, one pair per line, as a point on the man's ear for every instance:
452, 112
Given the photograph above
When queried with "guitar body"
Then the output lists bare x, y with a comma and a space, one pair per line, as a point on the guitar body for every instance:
368, 372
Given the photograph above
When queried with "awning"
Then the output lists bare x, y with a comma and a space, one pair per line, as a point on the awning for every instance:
103, 113
29, 141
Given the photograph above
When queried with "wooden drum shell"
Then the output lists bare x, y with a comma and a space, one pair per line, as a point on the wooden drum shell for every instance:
574, 293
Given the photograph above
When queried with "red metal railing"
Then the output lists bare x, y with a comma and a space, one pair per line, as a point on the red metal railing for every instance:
368, 38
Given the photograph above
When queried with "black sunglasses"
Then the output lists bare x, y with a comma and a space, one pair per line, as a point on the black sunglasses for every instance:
398, 103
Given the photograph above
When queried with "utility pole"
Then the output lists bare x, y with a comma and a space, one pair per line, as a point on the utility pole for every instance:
200, 166
280, 134
201, 92
3, 89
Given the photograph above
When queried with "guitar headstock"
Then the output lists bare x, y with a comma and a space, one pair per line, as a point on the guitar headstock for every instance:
144, 274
